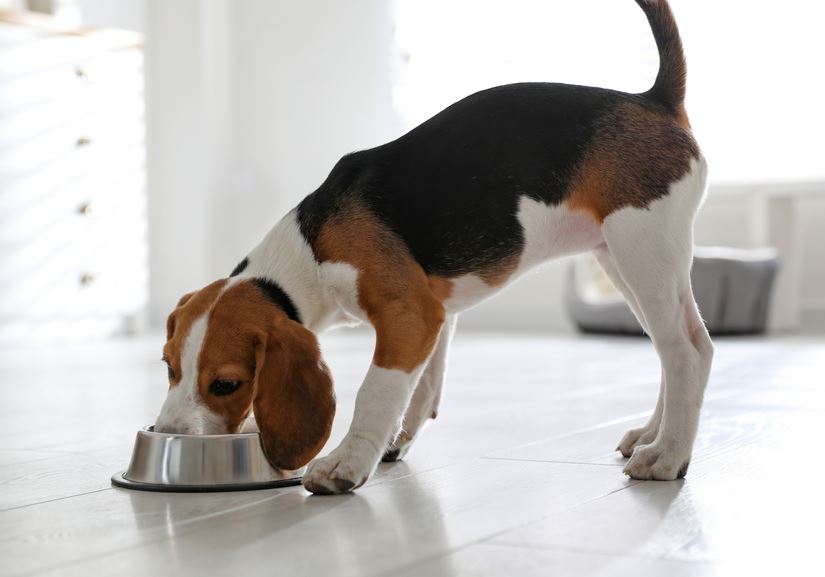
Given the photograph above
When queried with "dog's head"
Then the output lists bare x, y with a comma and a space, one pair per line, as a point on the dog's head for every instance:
232, 351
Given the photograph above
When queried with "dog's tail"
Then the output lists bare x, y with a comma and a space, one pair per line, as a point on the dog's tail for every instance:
669, 88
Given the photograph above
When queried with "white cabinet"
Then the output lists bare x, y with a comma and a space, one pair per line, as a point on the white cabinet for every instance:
73, 238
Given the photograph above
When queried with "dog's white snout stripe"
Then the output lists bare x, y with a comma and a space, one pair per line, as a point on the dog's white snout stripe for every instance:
184, 411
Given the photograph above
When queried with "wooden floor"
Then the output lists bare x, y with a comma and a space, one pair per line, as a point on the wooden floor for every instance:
516, 477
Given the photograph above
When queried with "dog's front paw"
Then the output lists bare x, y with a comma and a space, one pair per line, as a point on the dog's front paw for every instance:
652, 462
399, 448
635, 438
339, 472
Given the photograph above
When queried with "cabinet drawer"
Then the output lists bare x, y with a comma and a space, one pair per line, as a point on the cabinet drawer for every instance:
36, 121
80, 268
77, 292
39, 51
103, 74
87, 143
30, 207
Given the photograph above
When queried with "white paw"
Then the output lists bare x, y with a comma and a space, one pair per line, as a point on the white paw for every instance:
636, 437
399, 448
655, 463
339, 472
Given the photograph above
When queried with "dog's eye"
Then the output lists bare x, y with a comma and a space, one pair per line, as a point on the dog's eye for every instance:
170, 371
220, 387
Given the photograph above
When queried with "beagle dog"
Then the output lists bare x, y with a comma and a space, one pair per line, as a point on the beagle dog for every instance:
407, 235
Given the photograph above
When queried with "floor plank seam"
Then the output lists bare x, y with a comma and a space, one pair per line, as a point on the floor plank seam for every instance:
37, 460
579, 550
555, 462
721, 452
15, 508
389, 466
575, 432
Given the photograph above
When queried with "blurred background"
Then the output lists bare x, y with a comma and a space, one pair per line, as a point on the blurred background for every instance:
146, 145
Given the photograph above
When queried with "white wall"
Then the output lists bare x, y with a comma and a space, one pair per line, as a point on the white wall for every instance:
811, 217
178, 123
249, 105
127, 14
313, 82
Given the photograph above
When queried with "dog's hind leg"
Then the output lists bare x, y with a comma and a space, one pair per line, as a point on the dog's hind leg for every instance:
652, 250
427, 395
645, 434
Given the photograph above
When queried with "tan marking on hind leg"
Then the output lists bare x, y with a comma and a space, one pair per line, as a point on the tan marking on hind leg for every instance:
652, 250
633, 157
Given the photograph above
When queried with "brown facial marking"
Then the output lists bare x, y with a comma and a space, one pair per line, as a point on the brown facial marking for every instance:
190, 308
282, 375
228, 352
634, 156
400, 300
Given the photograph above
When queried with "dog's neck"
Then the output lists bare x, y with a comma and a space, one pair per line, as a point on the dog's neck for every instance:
285, 257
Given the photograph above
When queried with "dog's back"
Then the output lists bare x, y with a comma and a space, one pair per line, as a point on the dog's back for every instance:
451, 187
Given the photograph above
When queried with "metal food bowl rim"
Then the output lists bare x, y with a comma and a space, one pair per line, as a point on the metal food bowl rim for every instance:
120, 480
151, 429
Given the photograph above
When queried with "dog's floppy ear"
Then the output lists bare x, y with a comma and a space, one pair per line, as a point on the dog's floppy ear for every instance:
184, 299
294, 402
170, 320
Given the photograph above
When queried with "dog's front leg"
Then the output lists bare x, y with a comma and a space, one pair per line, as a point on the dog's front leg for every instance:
405, 338
427, 396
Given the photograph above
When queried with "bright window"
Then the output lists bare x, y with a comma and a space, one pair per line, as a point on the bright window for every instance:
756, 91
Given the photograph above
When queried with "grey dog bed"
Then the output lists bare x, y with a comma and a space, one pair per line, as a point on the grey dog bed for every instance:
732, 288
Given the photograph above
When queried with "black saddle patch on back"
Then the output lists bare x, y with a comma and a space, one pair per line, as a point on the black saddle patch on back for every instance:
451, 187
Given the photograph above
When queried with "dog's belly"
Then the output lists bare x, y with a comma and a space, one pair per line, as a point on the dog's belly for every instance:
549, 232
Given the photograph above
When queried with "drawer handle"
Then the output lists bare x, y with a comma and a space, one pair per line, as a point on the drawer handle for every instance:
80, 72
83, 141
86, 209
87, 278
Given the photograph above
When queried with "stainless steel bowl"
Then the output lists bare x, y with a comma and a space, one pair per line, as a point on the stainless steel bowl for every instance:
200, 463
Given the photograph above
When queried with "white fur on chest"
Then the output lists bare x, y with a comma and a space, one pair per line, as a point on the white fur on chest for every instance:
549, 232
340, 281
